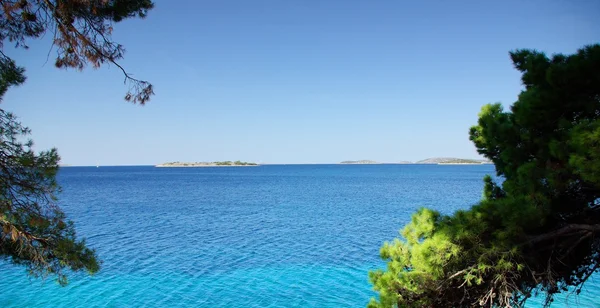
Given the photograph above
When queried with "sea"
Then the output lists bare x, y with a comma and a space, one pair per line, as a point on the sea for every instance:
266, 236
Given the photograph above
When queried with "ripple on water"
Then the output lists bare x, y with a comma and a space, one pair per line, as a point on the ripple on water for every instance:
271, 236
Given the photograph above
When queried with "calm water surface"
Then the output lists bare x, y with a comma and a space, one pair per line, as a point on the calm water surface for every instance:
268, 236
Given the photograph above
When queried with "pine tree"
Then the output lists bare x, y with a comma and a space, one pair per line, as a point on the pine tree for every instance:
82, 32
34, 231
537, 230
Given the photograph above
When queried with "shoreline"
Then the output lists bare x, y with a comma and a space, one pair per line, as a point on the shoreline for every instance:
204, 166
262, 164
464, 164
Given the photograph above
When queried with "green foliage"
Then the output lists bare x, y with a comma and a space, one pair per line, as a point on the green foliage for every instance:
223, 163
34, 231
82, 32
10, 75
538, 229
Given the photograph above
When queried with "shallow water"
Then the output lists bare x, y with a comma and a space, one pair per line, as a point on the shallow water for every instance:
267, 236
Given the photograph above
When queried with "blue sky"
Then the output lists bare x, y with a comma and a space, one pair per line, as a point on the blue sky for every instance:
295, 81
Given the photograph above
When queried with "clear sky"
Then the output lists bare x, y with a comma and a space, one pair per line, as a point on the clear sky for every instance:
295, 81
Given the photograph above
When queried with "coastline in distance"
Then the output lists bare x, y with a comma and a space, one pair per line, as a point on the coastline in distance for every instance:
431, 161
208, 164
434, 161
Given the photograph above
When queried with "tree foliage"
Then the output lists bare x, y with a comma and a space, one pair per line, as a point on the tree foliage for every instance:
33, 230
537, 230
81, 32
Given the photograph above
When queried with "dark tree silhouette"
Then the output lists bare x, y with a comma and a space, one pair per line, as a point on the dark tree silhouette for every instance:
33, 230
81, 32
538, 229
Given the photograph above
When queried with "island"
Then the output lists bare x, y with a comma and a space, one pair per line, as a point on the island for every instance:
453, 161
227, 163
359, 162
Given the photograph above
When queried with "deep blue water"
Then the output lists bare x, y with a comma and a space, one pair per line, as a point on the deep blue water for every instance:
268, 236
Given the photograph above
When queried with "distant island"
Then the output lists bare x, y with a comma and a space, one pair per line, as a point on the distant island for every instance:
359, 162
208, 164
452, 161
431, 161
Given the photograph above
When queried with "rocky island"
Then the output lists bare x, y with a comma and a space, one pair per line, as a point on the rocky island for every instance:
208, 164
359, 162
452, 161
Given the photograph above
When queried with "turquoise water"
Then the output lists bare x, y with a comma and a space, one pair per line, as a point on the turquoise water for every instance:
268, 236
